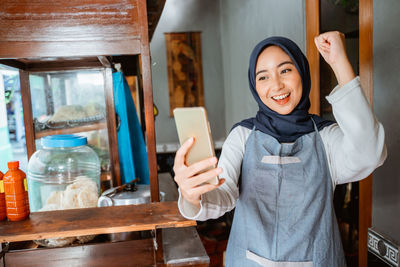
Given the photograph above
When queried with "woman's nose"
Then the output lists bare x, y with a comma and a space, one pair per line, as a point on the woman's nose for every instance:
277, 84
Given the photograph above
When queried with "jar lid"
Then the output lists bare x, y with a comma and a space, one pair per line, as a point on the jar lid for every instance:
64, 140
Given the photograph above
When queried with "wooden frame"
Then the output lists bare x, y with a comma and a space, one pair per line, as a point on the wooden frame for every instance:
28, 114
146, 82
366, 74
365, 63
111, 126
313, 30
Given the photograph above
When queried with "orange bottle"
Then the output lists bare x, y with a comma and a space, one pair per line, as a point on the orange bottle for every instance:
16, 193
3, 214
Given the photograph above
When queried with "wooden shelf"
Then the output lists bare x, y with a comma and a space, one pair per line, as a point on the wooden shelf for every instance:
127, 253
91, 221
78, 129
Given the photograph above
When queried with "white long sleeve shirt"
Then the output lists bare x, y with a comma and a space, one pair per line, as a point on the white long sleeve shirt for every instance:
354, 148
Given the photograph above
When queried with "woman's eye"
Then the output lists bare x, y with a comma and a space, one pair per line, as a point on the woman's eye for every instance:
285, 71
262, 78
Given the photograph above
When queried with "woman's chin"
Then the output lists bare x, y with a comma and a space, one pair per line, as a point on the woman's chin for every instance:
286, 110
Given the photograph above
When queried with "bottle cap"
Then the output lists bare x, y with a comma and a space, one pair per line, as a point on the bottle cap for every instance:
13, 164
64, 140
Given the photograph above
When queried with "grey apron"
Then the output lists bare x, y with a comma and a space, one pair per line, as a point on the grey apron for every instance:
284, 215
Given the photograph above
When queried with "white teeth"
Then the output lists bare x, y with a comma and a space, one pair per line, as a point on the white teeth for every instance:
279, 97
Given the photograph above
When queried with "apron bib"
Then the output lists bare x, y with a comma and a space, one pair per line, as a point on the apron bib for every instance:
284, 215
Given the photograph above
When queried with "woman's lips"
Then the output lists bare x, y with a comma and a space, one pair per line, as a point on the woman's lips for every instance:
281, 99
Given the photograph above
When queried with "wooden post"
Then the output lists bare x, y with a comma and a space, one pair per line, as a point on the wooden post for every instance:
365, 62
148, 103
312, 30
149, 118
28, 115
111, 127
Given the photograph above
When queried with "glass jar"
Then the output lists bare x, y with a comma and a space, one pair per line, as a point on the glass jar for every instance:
63, 174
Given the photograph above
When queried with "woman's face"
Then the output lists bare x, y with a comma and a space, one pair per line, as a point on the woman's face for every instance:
278, 83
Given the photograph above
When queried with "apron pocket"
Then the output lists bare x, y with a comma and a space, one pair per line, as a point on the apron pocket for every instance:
292, 186
266, 186
269, 263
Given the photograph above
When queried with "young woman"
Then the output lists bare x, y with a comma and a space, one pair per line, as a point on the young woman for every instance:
288, 161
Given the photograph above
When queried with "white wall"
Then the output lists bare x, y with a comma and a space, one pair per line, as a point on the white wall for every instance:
181, 16
244, 24
386, 79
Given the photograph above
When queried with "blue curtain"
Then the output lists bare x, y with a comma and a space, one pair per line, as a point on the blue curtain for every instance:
131, 146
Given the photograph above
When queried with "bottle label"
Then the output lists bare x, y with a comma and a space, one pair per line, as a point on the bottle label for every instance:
25, 185
1, 186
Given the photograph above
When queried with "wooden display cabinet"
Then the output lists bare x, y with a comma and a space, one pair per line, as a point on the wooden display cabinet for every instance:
69, 35
70, 96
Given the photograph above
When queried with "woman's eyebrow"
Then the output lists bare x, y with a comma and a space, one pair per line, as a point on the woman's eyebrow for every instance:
260, 71
283, 63
279, 65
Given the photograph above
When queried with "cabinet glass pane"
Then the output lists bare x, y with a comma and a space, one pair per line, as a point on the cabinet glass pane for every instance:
71, 102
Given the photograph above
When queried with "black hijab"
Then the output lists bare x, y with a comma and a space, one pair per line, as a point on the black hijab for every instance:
285, 128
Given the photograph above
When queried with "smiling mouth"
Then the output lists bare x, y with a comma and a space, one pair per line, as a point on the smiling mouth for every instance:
281, 99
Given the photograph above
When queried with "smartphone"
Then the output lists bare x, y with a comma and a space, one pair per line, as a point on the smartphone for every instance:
193, 122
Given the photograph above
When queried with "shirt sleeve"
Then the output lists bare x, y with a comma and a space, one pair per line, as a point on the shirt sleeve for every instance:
355, 145
223, 199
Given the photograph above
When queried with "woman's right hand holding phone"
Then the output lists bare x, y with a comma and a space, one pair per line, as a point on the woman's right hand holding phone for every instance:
190, 179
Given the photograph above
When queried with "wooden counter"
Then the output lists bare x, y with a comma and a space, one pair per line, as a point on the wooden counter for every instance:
188, 250
91, 221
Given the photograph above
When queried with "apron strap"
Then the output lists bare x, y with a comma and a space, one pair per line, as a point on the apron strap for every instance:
315, 125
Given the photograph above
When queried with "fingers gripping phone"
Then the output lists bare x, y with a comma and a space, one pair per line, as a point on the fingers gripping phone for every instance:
193, 122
